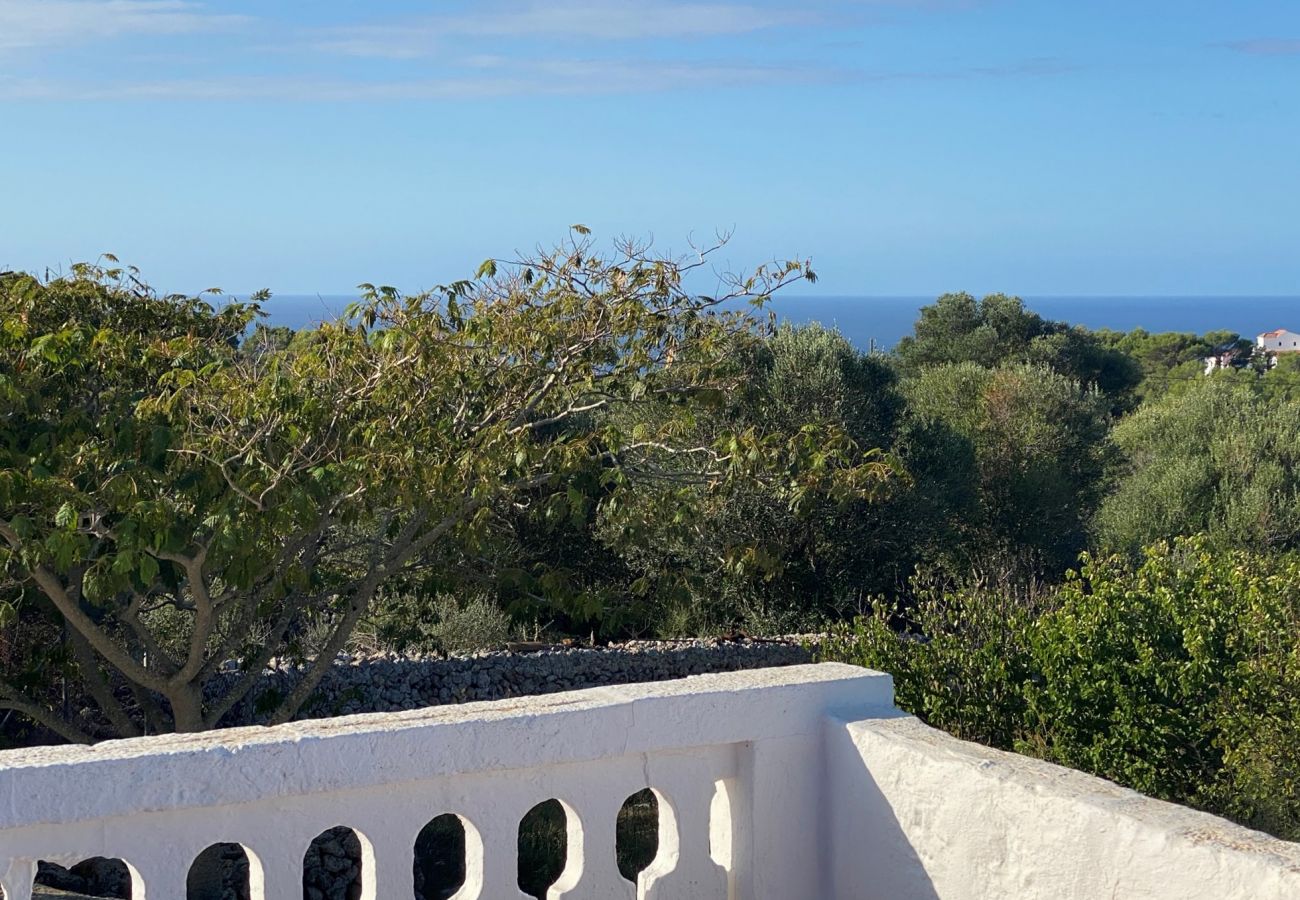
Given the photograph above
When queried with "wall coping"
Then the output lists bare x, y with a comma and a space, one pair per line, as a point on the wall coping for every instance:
60, 785
999, 769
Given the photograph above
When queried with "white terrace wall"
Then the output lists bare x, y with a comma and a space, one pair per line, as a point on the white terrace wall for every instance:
754, 737
798, 783
919, 815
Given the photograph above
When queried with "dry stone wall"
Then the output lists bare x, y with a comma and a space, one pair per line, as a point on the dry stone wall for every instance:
390, 682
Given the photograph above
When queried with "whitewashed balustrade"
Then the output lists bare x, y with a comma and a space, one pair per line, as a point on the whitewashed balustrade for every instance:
157, 803
801, 783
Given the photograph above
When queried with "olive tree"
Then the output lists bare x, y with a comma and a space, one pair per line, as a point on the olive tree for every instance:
1038, 441
1219, 457
180, 507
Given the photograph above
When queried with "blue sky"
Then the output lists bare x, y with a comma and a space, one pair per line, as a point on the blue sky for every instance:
907, 146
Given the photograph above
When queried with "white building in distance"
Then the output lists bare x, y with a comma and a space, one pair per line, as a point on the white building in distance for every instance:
1278, 341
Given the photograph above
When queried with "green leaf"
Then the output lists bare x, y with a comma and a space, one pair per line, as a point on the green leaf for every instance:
148, 568
66, 516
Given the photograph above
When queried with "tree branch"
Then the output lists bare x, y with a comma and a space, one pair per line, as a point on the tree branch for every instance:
154, 716
204, 614
358, 603
100, 689
10, 698
257, 664
130, 616
103, 644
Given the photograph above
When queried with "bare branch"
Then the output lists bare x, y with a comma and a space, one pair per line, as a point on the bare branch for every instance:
130, 616
204, 617
358, 603
103, 644
11, 698
100, 690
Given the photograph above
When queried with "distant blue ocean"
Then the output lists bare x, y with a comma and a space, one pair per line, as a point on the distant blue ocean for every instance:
881, 321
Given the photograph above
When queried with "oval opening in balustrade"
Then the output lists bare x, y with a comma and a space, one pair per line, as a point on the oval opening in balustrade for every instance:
220, 872
331, 867
543, 847
439, 867
636, 834
94, 877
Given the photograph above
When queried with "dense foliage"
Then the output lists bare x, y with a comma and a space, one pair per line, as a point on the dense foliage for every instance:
1038, 440
1220, 457
171, 501
1077, 544
1178, 677
997, 330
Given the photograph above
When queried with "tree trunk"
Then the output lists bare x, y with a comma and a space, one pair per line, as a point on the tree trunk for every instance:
187, 708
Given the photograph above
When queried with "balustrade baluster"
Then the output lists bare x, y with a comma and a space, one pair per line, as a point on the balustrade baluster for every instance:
17, 880
161, 873
387, 874
281, 873
600, 878
688, 791
495, 875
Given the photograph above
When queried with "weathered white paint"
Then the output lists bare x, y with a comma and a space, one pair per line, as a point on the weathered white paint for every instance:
798, 783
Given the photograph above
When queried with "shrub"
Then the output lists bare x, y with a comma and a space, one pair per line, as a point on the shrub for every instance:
476, 625
440, 622
960, 664
1178, 676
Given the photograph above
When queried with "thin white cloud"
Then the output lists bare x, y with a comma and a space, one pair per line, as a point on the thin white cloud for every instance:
490, 49
487, 77
550, 77
29, 24
1266, 46
601, 20
596, 20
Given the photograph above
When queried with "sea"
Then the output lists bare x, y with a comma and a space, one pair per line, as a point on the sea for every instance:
879, 322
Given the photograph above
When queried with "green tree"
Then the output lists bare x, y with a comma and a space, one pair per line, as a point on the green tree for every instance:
754, 559
1038, 443
177, 503
268, 339
1219, 458
812, 373
998, 330
959, 328
1171, 361
1281, 382
77, 357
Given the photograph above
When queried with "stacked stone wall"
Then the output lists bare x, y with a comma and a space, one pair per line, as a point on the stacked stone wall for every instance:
390, 682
